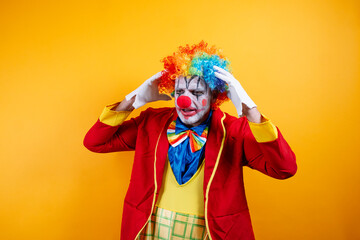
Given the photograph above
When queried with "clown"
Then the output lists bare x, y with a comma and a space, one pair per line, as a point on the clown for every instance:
193, 98
187, 177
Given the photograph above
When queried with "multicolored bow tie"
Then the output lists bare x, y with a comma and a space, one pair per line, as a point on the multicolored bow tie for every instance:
196, 141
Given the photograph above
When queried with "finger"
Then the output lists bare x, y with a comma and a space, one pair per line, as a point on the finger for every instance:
223, 71
222, 77
156, 76
220, 69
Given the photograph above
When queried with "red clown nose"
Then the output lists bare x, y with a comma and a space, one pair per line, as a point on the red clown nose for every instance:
183, 102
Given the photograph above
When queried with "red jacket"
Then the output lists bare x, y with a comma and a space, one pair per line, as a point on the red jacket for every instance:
230, 146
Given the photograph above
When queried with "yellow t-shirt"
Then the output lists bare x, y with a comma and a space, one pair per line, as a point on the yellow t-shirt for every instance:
187, 198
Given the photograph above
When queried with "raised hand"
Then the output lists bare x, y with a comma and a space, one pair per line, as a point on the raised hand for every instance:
147, 92
236, 92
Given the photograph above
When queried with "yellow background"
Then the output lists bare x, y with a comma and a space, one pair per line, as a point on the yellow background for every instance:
61, 63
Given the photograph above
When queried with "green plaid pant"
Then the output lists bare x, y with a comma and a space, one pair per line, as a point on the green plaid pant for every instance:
166, 225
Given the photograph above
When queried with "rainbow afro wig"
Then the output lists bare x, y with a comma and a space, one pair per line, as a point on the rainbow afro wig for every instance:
198, 60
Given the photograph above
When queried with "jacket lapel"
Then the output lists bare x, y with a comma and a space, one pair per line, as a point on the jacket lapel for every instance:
162, 148
213, 145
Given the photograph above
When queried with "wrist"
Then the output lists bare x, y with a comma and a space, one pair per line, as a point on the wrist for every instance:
125, 105
252, 114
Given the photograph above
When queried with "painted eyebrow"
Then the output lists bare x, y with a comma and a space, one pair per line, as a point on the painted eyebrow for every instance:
200, 88
188, 81
198, 82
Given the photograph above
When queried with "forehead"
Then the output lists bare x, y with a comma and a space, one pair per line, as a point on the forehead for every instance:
193, 82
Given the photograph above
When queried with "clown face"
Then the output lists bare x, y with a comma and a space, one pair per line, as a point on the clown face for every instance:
192, 100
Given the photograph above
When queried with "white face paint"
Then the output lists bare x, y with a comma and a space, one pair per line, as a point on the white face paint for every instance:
192, 100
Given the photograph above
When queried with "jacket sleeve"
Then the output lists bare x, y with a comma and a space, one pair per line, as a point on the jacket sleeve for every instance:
266, 150
111, 133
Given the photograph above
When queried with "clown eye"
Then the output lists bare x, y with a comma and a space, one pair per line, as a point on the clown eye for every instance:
179, 91
197, 93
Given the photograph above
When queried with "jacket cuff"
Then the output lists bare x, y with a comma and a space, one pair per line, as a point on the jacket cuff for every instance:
265, 131
111, 117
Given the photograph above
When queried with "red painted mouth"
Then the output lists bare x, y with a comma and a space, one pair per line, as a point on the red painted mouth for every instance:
188, 112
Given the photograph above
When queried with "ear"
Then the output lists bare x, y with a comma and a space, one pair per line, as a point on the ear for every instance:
213, 97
